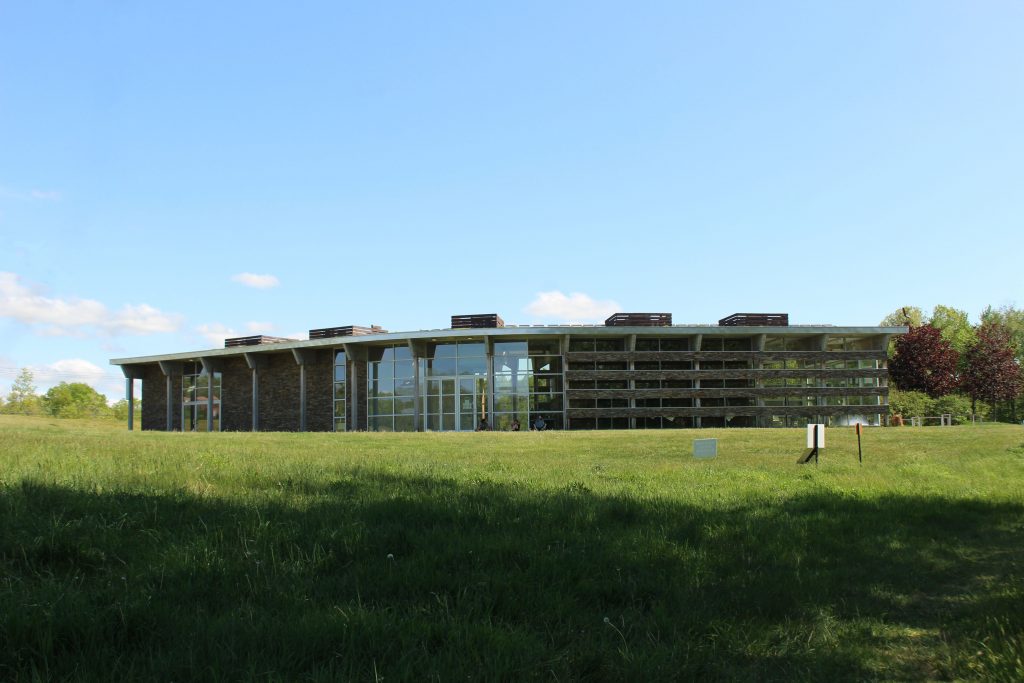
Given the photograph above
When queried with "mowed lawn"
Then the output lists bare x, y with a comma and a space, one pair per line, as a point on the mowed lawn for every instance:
500, 556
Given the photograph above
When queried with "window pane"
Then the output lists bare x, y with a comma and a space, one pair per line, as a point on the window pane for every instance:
512, 348
467, 349
543, 347
405, 368
441, 366
472, 366
440, 351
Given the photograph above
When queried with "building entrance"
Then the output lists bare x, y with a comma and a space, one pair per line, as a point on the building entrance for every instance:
454, 403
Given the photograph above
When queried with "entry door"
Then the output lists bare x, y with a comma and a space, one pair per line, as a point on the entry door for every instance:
454, 403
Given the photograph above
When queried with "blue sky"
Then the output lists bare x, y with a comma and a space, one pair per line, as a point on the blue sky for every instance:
397, 163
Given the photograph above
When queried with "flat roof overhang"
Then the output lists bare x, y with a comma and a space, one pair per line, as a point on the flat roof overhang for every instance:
523, 331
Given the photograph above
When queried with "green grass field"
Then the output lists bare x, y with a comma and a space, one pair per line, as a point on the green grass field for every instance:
499, 556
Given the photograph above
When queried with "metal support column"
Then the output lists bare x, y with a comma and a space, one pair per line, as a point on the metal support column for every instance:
130, 375
415, 348
697, 340
256, 362
211, 366
300, 360
170, 369
489, 351
631, 366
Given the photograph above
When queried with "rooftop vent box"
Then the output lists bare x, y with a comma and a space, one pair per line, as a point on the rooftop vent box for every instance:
462, 322
755, 320
255, 340
346, 331
639, 320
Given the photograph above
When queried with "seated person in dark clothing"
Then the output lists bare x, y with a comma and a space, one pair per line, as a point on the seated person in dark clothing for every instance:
539, 424
515, 424
483, 426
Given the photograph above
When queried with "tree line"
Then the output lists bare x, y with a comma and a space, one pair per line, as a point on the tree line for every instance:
947, 364
67, 399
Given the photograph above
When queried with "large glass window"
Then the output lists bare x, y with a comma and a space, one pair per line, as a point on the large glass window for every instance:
340, 393
195, 392
454, 383
390, 389
528, 382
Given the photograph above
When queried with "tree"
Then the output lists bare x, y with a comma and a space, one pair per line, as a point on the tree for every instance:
911, 316
75, 400
22, 399
1013, 320
991, 372
119, 410
955, 327
924, 361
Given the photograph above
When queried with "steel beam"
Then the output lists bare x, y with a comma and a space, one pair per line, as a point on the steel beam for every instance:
256, 362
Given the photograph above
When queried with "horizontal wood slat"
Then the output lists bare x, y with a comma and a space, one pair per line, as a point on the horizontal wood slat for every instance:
731, 411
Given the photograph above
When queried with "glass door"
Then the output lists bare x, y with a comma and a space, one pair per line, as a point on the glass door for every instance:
454, 403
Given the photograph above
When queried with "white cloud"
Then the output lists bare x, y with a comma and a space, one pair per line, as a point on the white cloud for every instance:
110, 383
256, 281
259, 328
45, 195
575, 307
216, 333
33, 194
62, 317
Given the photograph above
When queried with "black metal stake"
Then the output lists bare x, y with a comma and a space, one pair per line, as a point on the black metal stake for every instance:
860, 454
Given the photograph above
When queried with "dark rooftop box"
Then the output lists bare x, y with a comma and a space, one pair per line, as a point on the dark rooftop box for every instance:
756, 319
639, 320
461, 322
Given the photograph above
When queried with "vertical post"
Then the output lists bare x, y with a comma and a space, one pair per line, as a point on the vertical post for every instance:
255, 400
256, 362
860, 455
209, 400
170, 403
631, 368
489, 350
129, 394
417, 401
301, 359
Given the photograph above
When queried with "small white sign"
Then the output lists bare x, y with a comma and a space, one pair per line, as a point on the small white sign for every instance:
810, 436
705, 449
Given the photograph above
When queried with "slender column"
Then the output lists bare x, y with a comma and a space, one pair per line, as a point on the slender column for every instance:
417, 404
489, 350
170, 369
211, 366
256, 362
697, 340
302, 358
565, 394
631, 366
129, 393
353, 355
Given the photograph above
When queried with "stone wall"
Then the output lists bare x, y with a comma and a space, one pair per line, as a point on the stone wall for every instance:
235, 396
154, 399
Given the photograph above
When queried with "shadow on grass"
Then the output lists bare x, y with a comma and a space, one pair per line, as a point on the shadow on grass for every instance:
403, 577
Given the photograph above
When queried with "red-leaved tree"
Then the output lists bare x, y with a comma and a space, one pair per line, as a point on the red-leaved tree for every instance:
991, 373
924, 361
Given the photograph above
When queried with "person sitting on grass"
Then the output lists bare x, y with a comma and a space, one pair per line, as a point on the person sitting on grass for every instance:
515, 425
539, 425
483, 426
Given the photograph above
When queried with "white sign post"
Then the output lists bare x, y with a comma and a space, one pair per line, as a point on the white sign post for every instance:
821, 436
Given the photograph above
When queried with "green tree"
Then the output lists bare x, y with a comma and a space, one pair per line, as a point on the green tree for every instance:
955, 327
1013, 320
911, 316
119, 411
22, 399
76, 399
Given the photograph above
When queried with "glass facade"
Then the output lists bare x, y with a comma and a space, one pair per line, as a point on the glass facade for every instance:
195, 392
340, 391
528, 383
454, 388
390, 389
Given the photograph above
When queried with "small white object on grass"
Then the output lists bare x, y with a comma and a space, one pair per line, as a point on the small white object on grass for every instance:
821, 436
705, 449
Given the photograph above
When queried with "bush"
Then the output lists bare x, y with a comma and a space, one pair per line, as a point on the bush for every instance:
910, 404
957, 405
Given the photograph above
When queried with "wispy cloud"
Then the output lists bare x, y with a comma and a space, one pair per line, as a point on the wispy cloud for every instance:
216, 333
53, 316
259, 328
35, 194
256, 281
575, 307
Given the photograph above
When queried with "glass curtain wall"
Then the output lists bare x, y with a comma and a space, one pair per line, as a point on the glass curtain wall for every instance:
390, 389
454, 386
194, 399
340, 384
528, 383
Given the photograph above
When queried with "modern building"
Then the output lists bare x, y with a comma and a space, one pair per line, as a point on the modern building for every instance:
637, 371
